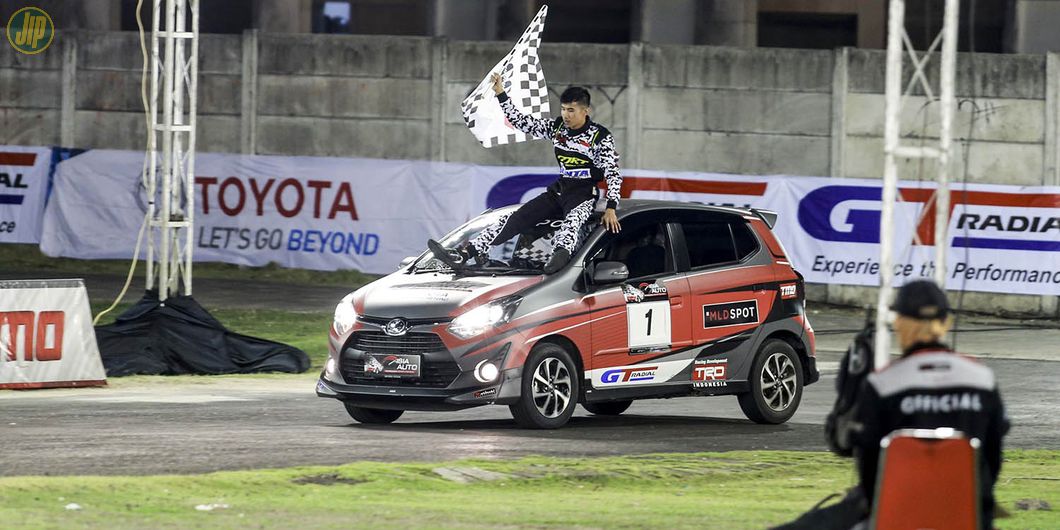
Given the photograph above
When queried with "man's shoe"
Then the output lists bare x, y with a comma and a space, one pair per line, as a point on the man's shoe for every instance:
559, 258
453, 258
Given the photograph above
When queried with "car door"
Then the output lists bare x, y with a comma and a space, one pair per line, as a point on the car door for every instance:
637, 323
731, 292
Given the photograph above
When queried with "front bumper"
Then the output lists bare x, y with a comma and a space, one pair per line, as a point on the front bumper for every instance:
503, 392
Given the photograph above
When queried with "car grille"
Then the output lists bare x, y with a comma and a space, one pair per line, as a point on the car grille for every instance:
409, 343
437, 369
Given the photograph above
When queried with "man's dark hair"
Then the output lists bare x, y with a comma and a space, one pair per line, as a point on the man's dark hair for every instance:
575, 94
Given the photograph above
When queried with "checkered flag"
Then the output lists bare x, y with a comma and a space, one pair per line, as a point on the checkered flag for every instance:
524, 81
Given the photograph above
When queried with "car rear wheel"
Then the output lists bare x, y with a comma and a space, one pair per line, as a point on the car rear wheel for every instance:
549, 389
607, 408
374, 416
776, 384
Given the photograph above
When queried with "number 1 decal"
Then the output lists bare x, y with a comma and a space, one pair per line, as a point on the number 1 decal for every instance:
648, 325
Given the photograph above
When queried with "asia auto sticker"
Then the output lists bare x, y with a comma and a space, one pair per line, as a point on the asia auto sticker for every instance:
644, 291
647, 317
708, 373
632, 375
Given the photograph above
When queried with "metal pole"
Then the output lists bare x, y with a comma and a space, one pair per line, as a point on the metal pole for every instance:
892, 104
948, 105
193, 112
177, 165
167, 152
152, 146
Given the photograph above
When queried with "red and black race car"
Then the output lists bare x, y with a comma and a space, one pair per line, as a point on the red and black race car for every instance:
686, 300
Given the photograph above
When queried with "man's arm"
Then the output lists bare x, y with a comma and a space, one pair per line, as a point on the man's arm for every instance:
540, 128
605, 156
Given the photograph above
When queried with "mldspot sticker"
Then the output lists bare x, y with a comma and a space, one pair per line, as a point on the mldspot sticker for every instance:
730, 314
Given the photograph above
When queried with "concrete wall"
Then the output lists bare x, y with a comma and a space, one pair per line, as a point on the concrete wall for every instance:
752, 111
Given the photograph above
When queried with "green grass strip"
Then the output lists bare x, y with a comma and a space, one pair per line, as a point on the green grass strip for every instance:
707, 490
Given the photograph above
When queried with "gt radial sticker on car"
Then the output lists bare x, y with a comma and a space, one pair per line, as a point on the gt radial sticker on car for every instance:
392, 365
710, 373
646, 374
730, 314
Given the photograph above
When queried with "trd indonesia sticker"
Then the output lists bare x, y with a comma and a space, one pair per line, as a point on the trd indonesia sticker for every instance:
707, 373
730, 314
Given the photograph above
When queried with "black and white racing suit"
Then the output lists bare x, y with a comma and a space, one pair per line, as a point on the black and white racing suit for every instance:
586, 156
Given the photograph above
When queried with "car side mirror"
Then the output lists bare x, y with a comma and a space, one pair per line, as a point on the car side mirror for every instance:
406, 262
610, 272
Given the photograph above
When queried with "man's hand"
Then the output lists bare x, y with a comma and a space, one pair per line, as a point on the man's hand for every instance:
610, 220
498, 87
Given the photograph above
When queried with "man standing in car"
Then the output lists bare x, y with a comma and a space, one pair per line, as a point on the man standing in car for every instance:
586, 154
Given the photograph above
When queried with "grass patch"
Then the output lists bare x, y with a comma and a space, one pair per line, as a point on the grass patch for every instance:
707, 490
28, 258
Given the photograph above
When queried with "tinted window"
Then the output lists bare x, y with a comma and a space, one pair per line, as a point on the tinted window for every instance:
644, 250
709, 243
746, 242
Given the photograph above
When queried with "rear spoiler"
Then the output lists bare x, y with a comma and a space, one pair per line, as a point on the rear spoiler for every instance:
769, 216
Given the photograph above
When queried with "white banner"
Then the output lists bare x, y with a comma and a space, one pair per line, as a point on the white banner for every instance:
46, 335
332, 213
23, 190
304, 212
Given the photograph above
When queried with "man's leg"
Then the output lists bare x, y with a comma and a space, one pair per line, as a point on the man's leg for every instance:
566, 235
541, 207
538, 209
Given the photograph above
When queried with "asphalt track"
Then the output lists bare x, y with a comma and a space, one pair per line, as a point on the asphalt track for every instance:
191, 425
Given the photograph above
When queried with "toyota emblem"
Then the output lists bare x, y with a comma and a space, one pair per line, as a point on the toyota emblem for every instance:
396, 327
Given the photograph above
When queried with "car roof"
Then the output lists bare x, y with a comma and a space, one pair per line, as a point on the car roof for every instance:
631, 206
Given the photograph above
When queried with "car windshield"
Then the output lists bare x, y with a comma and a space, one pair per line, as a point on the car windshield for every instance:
525, 253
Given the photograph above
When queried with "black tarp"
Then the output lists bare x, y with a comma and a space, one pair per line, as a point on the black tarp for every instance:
180, 337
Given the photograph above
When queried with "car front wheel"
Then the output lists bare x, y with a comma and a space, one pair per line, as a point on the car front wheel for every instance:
549, 389
374, 416
776, 384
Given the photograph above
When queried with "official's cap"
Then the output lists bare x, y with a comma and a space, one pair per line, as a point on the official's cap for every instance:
921, 299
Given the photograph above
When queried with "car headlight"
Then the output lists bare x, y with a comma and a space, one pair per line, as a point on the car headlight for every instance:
345, 315
484, 317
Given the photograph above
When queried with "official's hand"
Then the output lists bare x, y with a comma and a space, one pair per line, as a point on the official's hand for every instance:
498, 87
610, 220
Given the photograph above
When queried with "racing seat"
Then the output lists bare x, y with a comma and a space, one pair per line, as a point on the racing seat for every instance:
928, 479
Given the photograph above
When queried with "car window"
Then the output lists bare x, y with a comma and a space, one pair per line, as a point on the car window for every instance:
644, 249
709, 243
746, 242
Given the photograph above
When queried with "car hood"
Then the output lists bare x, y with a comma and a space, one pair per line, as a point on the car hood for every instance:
435, 295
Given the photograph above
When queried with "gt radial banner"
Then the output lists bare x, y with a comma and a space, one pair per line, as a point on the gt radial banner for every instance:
46, 335
304, 212
1002, 239
23, 189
